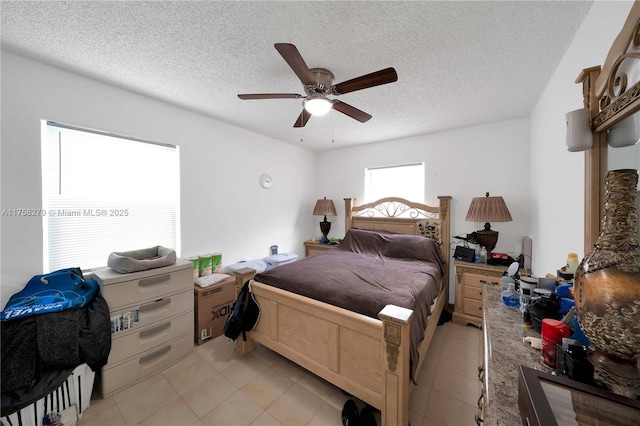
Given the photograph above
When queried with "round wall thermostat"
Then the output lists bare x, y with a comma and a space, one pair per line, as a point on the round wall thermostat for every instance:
265, 181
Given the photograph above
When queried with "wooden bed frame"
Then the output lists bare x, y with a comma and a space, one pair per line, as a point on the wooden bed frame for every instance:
366, 357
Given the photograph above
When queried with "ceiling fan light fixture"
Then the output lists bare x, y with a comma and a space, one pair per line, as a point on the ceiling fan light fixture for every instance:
318, 83
317, 104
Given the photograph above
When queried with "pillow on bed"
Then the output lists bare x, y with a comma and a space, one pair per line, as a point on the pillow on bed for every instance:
400, 246
430, 228
363, 241
416, 247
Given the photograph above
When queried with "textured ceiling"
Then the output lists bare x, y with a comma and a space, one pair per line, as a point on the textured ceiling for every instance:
458, 63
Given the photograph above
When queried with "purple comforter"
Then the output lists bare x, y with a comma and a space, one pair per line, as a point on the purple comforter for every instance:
366, 272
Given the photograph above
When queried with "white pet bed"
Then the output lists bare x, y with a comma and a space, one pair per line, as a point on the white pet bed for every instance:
141, 260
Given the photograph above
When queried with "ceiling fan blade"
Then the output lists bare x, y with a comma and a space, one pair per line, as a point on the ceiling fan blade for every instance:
302, 118
290, 54
387, 75
269, 96
351, 111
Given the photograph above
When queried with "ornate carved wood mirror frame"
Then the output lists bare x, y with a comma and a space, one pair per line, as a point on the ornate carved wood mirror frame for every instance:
610, 97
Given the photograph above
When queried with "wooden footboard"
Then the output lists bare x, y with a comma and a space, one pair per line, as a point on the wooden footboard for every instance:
366, 357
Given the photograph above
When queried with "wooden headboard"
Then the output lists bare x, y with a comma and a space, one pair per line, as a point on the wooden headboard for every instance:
404, 217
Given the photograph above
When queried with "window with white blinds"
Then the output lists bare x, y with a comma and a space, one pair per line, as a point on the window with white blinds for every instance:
104, 193
404, 181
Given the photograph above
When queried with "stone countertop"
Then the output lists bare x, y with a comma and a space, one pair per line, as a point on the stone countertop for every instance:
504, 351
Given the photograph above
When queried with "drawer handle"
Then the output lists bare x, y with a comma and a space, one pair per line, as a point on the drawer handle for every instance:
483, 281
480, 308
156, 354
155, 330
154, 280
155, 305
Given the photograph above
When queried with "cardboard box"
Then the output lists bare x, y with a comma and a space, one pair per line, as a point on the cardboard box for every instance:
212, 307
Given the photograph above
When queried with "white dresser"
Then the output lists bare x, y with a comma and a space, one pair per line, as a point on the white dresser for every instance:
151, 322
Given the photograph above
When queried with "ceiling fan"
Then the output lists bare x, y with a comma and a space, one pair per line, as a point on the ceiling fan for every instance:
318, 83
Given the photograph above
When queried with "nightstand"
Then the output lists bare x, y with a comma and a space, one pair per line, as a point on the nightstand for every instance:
312, 247
470, 280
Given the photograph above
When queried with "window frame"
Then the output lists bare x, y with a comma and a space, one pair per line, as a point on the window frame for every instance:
167, 218
418, 195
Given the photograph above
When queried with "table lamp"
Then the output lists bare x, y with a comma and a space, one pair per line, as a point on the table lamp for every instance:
488, 209
325, 207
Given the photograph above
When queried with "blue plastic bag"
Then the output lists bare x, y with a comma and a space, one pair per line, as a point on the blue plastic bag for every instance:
52, 292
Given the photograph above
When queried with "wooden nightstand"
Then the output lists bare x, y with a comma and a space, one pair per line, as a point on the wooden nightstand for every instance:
470, 280
314, 247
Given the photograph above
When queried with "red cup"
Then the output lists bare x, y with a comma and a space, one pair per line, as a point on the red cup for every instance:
552, 333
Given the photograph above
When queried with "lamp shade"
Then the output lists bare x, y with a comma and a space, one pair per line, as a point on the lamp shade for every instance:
324, 207
488, 209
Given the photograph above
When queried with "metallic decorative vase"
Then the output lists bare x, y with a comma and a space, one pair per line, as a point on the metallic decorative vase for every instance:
607, 289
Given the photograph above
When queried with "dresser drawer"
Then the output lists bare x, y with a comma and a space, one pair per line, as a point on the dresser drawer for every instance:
149, 312
473, 307
473, 280
479, 280
142, 339
123, 290
312, 248
470, 292
145, 364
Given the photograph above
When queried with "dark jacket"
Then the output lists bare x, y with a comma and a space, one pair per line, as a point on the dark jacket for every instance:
40, 351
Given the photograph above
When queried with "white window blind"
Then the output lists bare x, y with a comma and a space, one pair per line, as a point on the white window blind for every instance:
404, 181
104, 193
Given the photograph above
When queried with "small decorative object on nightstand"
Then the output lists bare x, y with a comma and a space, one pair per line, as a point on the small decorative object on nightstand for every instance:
325, 207
488, 209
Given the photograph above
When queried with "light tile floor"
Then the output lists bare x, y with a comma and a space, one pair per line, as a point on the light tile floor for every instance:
216, 386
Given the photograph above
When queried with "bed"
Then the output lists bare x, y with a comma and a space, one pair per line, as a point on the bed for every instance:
371, 356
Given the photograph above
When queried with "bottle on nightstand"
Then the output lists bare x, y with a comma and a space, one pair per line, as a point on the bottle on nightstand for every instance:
483, 255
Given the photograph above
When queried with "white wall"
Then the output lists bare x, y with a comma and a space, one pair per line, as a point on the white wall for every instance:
463, 163
223, 209
222, 206
557, 176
